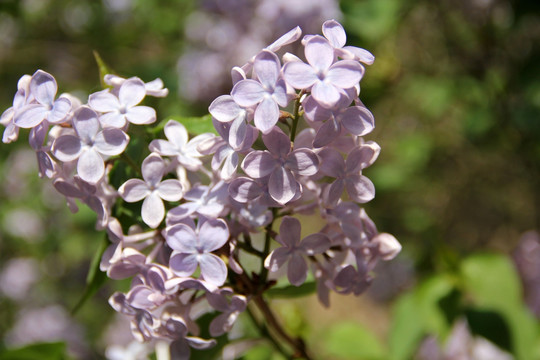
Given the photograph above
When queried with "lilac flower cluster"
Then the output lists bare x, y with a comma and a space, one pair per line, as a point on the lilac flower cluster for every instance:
290, 142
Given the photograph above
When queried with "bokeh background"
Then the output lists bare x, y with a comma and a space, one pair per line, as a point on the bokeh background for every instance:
455, 90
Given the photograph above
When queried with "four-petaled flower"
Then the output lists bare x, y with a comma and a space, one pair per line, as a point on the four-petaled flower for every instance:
89, 145
193, 247
152, 190
293, 250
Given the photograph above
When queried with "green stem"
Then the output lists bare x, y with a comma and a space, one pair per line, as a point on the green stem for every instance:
263, 329
131, 163
266, 251
296, 116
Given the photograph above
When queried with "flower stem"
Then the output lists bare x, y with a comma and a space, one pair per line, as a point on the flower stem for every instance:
296, 115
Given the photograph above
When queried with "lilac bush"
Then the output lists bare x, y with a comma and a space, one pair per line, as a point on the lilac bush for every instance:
289, 142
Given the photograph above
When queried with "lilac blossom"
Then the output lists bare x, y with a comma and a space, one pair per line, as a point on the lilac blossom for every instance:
225, 110
281, 164
89, 145
177, 145
326, 79
11, 133
43, 90
118, 110
267, 94
348, 175
293, 250
230, 310
357, 120
152, 190
153, 88
208, 201
193, 248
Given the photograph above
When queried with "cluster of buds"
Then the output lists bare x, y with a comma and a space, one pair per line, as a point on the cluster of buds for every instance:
290, 142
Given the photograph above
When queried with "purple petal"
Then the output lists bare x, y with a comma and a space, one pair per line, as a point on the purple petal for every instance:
282, 185
176, 133
345, 74
248, 92
332, 163
335, 33
360, 188
258, 164
267, 67
297, 270
60, 110
90, 166
280, 93
213, 269
67, 148
313, 111
183, 264
67, 189
319, 53
111, 141
113, 119
266, 115
224, 109
363, 156
315, 244
181, 237
238, 132
141, 115
361, 54
334, 192
170, 190
30, 116
103, 101
288, 38
327, 133
244, 189
200, 344
277, 143
299, 75
86, 124
290, 231
213, 235
43, 87
163, 147
134, 190
153, 169
277, 259
131, 92
358, 120
138, 297
153, 210
325, 93
303, 162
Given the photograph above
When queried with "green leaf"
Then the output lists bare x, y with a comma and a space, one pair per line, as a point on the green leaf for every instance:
491, 282
350, 340
103, 69
95, 278
418, 313
291, 291
42, 351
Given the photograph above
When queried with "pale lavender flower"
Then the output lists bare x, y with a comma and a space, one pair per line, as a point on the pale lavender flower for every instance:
43, 89
11, 133
178, 145
90, 145
225, 110
152, 190
281, 164
357, 120
337, 37
117, 111
193, 248
153, 88
267, 94
352, 280
230, 310
293, 250
18, 277
143, 322
326, 79
348, 175
208, 201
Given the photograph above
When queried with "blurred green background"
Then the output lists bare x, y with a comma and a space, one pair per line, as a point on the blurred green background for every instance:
455, 90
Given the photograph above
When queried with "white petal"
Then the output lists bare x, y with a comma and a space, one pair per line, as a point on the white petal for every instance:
67, 148
90, 166
141, 115
170, 190
153, 210
131, 92
103, 101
